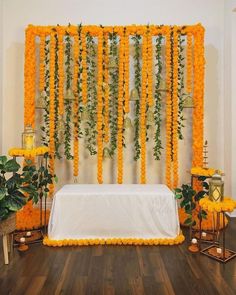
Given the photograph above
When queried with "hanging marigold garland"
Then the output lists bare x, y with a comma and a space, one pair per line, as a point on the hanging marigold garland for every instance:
175, 108
51, 108
41, 63
61, 73
150, 99
144, 97
54, 87
126, 71
168, 107
84, 66
99, 109
106, 87
189, 65
29, 79
76, 105
120, 119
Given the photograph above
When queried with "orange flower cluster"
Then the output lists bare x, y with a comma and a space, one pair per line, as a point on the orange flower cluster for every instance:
41, 63
61, 74
29, 79
207, 224
175, 108
143, 109
99, 109
76, 106
150, 99
106, 89
84, 66
189, 64
198, 95
29, 217
52, 109
120, 119
94, 30
168, 109
114, 241
126, 71
227, 205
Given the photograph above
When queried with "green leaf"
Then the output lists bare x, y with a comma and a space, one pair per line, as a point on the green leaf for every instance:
3, 160
11, 166
178, 196
188, 221
178, 190
3, 192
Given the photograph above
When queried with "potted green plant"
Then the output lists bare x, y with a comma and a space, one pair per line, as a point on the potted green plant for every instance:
189, 199
13, 185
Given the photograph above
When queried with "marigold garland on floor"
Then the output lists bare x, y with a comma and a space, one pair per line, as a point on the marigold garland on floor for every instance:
114, 241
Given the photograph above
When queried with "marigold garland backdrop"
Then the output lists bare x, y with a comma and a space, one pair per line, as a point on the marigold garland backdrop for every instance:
82, 76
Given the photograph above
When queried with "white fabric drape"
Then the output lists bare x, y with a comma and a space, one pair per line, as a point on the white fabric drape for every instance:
113, 211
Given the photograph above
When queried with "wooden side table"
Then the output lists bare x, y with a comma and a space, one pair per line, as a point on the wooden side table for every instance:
7, 228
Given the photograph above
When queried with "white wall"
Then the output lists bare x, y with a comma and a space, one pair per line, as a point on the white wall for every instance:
17, 14
1, 68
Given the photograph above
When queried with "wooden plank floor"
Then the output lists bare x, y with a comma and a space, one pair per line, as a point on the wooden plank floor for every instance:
118, 270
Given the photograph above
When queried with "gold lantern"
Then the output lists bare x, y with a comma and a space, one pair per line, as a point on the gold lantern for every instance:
188, 102
134, 95
216, 187
85, 115
69, 96
40, 103
106, 153
150, 117
28, 138
127, 123
112, 64
61, 128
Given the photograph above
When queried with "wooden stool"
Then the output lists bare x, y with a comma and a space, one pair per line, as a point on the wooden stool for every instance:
7, 227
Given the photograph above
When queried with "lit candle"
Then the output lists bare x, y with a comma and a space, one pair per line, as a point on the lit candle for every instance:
22, 240
28, 234
219, 250
204, 234
194, 241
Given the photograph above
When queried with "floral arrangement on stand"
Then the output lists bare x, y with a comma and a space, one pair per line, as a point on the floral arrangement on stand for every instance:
38, 179
84, 82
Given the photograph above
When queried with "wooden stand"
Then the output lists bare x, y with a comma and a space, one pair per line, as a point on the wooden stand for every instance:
211, 251
37, 234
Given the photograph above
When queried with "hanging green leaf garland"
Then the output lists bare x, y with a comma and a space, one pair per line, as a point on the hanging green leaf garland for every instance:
91, 108
137, 83
158, 108
68, 97
113, 86
45, 127
181, 61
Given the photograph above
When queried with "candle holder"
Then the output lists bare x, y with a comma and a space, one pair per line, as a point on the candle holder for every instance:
194, 248
22, 246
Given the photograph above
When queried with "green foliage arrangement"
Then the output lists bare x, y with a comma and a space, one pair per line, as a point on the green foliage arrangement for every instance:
189, 199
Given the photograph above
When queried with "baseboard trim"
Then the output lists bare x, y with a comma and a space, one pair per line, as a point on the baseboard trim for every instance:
232, 214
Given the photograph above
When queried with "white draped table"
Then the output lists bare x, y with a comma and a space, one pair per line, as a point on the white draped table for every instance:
111, 211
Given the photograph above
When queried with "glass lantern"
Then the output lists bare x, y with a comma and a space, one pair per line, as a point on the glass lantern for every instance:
134, 95
28, 138
216, 187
